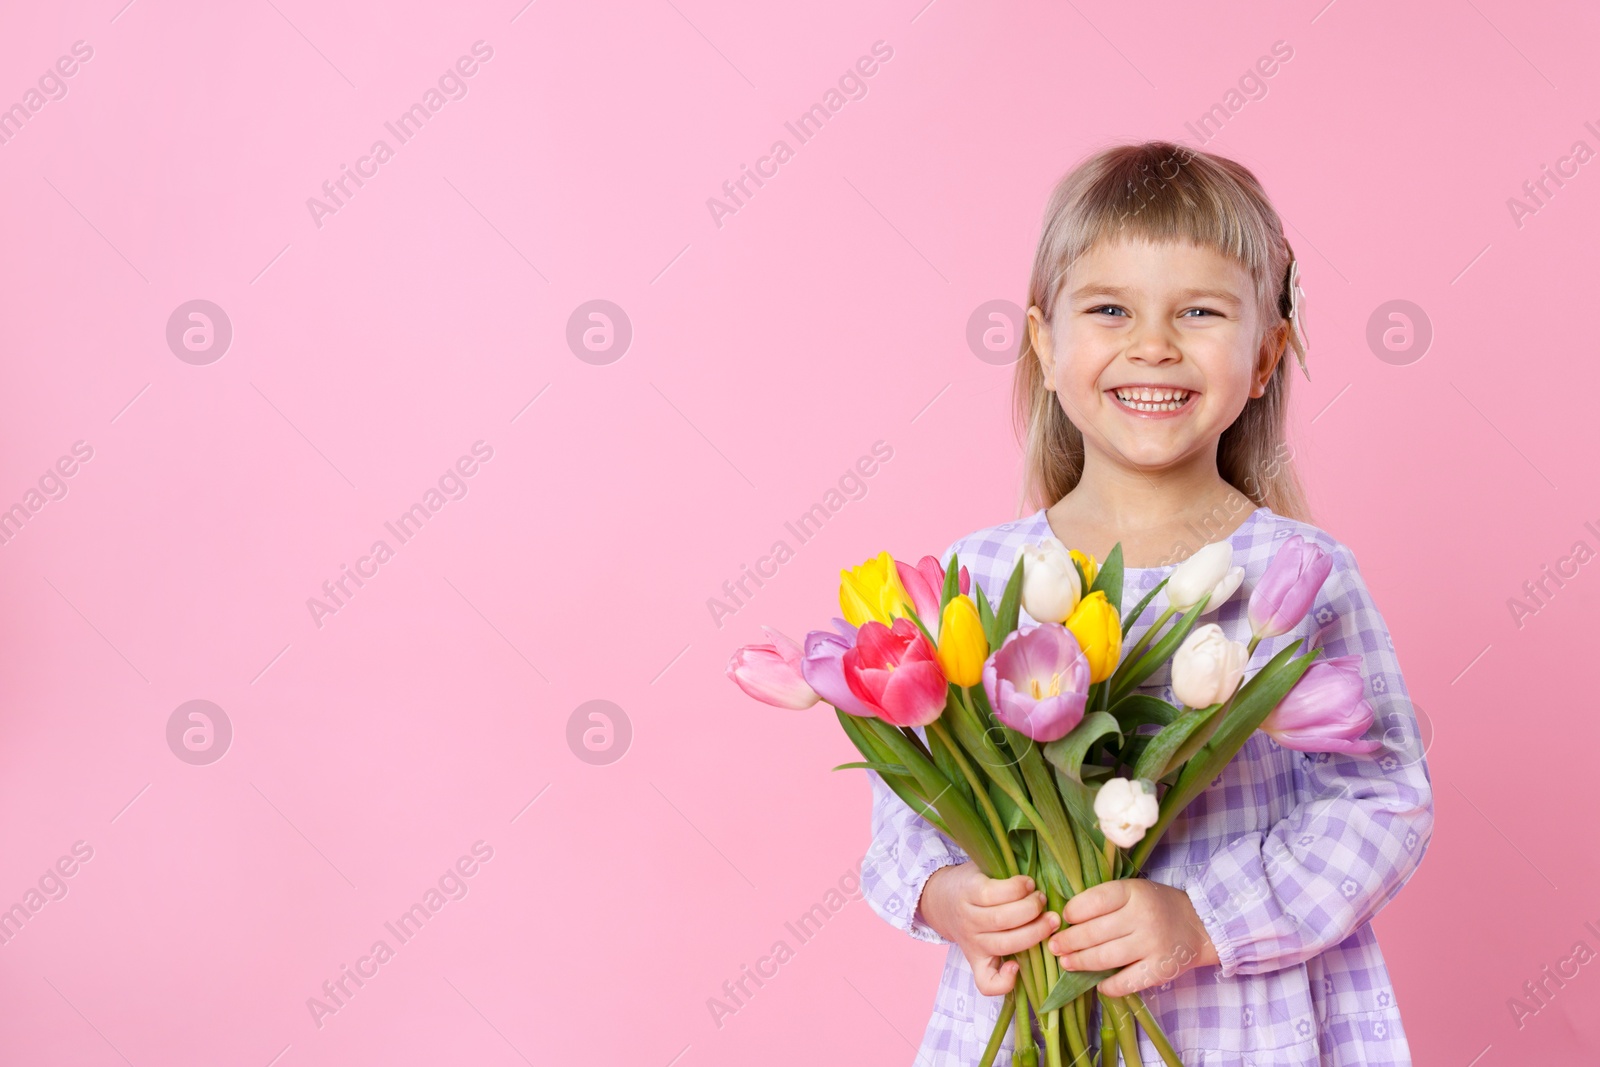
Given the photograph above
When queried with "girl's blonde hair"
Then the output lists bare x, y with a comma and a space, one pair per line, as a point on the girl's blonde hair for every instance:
1160, 191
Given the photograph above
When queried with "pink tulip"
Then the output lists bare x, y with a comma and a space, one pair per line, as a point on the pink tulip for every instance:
771, 673
1038, 681
894, 671
1289, 588
925, 583
822, 665
1325, 711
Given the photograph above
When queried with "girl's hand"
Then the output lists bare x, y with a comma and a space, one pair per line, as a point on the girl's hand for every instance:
1133, 921
990, 918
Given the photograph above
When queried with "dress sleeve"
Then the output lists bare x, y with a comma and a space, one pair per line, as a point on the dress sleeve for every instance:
906, 850
1358, 831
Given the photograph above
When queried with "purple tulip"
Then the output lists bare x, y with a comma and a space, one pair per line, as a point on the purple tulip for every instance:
1038, 681
1325, 711
1289, 588
822, 665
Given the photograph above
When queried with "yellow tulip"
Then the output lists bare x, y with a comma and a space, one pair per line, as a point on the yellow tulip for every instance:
1091, 569
873, 591
962, 645
1099, 632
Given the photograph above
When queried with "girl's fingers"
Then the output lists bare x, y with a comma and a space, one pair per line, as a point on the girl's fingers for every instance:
1094, 932
1012, 915
1106, 956
1020, 939
1097, 900
993, 891
1130, 979
993, 976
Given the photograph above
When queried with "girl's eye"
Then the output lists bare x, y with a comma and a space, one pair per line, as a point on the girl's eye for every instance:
1105, 307
1208, 311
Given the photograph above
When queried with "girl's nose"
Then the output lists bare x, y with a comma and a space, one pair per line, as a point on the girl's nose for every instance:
1153, 346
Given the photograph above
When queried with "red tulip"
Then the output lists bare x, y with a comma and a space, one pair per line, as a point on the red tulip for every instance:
895, 672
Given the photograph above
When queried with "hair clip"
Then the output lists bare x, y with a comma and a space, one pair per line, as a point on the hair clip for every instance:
1297, 298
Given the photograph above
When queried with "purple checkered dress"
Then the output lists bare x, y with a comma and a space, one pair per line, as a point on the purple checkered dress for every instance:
1287, 856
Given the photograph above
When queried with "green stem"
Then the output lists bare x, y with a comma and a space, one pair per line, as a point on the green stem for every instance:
1108, 1035
1007, 1008
1127, 1037
1169, 1055
1002, 839
1024, 1052
1132, 655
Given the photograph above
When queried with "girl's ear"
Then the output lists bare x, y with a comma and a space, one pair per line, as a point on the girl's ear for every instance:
1042, 343
1273, 346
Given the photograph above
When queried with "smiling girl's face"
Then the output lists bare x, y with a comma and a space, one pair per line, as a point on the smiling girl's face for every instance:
1154, 350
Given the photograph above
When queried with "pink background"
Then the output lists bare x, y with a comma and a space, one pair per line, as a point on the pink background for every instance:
767, 355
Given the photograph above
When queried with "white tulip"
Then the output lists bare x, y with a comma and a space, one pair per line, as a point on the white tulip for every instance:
1208, 667
1226, 588
1126, 809
1050, 585
1200, 574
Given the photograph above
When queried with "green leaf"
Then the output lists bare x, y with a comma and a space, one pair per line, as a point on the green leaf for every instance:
952, 582
945, 760
1011, 816
1252, 703
1136, 709
1128, 676
885, 769
1010, 604
1110, 578
907, 788
1138, 609
1066, 754
986, 615
1153, 761
1078, 799
1069, 987
1025, 847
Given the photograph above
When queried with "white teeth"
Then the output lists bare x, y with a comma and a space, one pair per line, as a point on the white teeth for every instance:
1143, 399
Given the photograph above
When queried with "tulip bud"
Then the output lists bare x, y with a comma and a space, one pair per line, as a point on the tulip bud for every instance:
1200, 574
1050, 589
962, 644
1208, 667
772, 673
1099, 632
1289, 587
873, 591
1325, 711
1091, 569
1225, 589
1126, 809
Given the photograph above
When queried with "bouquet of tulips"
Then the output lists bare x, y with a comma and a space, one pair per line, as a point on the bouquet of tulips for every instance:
1025, 746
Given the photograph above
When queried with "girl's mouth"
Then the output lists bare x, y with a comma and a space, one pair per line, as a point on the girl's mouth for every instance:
1149, 402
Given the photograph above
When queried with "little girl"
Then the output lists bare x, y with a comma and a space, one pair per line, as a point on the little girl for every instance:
1154, 393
